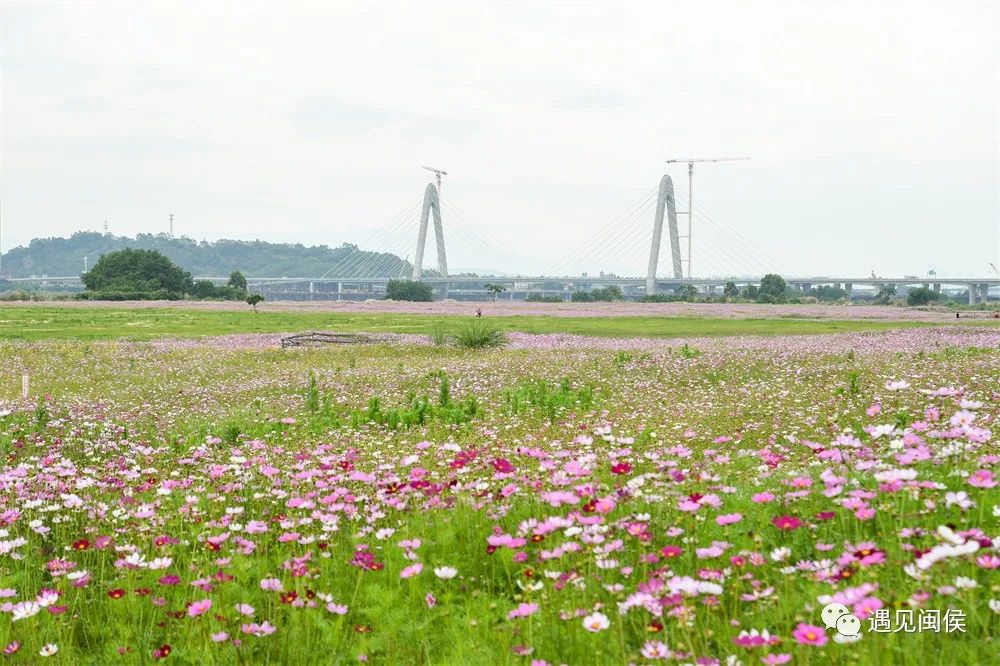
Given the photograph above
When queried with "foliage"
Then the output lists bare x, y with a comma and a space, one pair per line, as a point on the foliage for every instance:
439, 334
131, 274
686, 292
237, 281
253, 300
52, 256
536, 297
480, 335
730, 290
131, 270
921, 296
312, 394
494, 288
540, 397
605, 294
408, 290
772, 289
885, 294
827, 292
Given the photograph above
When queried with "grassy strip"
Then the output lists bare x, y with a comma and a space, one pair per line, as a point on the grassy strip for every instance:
55, 323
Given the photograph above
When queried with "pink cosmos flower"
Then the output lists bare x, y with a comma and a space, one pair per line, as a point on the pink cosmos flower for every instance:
271, 585
523, 610
219, 637
809, 634
982, 478
762, 498
728, 518
776, 659
336, 609
412, 570
265, 629
199, 607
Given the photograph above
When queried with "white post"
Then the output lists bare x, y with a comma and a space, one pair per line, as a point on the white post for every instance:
24, 386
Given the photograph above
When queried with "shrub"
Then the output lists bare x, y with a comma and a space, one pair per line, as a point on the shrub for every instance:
921, 296
604, 294
408, 290
480, 335
535, 297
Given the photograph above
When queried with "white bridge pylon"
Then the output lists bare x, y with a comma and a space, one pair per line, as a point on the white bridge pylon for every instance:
664, 203
431, 204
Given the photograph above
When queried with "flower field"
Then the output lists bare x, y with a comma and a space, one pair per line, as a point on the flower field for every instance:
554, 502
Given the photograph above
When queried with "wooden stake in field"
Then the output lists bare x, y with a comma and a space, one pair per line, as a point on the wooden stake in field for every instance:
24, 386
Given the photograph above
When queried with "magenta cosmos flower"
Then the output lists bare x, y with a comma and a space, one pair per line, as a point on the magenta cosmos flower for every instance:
786, 522
809, 634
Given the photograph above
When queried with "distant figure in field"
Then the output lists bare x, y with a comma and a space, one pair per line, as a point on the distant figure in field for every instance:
479, 312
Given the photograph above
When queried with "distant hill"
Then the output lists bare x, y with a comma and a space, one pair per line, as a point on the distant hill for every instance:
64, 257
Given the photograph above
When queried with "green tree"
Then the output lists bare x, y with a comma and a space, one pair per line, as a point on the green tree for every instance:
686, 292
137, 271
237, 281
495, 289
253, 300
885, 294
921, 296
204, 289
827, 292
731, 290
609, 293
408, 290
772, 289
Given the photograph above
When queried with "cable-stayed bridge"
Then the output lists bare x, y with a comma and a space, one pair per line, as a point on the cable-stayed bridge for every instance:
639, 251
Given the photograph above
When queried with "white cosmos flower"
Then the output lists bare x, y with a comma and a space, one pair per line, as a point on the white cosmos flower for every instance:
596, 622
160, 563
25, 609
963, 583
445, 573
781, 554
48, 650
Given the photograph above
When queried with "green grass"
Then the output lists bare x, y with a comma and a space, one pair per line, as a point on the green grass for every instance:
55, 323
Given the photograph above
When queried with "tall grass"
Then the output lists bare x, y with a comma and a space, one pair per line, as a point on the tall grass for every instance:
480, 335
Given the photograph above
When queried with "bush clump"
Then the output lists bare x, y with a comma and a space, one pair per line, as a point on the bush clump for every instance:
408, 290
480, 335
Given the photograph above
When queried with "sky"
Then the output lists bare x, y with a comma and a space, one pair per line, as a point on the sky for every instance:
873, 129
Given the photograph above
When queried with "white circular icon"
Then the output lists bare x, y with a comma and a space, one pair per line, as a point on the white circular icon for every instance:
839, 617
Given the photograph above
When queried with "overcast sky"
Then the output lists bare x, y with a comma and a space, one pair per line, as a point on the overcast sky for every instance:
873, 127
